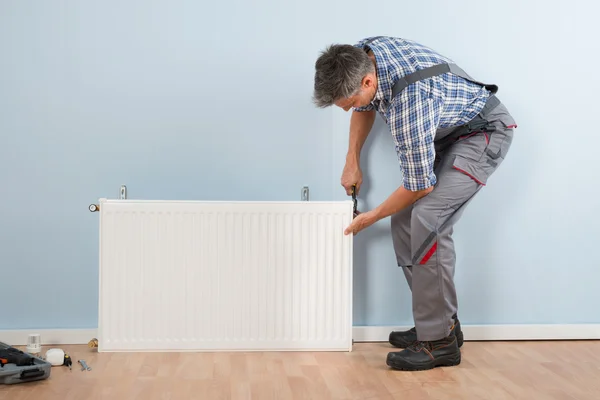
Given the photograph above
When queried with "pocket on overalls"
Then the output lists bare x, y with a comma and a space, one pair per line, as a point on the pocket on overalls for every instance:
472, 146
479, 166
468, 152
501, 138
471, 168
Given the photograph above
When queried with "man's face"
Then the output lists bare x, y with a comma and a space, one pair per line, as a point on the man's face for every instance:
364, 96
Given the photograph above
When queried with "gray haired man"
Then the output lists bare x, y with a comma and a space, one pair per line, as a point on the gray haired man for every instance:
451, 133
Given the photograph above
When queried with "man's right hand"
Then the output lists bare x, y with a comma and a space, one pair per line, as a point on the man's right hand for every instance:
352, 175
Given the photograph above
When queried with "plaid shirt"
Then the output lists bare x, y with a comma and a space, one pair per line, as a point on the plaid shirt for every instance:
418, 111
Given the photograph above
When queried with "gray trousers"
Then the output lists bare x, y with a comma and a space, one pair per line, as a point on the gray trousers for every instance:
422, 233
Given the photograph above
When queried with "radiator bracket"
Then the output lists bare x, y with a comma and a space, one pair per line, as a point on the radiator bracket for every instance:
304, 195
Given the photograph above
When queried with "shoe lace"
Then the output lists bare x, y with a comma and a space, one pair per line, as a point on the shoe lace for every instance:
419, 345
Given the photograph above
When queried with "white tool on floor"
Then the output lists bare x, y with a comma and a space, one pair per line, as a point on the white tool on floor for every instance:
55, 357
34, 343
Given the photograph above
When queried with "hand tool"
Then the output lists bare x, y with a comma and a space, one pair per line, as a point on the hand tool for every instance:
356, 212
68, 362
13, 355
84, 366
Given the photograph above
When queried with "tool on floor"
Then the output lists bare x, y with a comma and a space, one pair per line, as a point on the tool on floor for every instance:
67, 361
18, 366
12, 355
34, 344
55, 357
84, 366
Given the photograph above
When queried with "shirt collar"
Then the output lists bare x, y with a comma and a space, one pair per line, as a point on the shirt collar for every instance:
384, 86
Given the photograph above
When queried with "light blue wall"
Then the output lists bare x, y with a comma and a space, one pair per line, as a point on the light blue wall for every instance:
174, 98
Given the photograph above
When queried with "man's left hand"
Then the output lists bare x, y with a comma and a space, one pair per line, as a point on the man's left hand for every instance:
362, 221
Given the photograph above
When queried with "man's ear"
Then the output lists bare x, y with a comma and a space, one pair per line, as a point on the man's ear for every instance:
367, 81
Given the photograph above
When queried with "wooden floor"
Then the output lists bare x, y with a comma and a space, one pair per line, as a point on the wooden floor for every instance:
489, 370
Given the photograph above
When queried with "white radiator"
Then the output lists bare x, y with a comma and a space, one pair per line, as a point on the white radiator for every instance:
225, 276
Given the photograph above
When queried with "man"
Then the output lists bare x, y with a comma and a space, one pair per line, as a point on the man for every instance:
451, 133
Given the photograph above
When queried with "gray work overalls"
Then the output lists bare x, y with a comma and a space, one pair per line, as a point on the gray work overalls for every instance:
466, 156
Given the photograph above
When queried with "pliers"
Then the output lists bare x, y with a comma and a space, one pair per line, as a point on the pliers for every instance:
356, 212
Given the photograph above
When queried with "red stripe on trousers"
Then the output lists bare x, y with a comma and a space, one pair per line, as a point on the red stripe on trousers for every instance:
429, 253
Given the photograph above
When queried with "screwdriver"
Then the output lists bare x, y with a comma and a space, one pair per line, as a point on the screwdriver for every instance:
68, 362
356, 212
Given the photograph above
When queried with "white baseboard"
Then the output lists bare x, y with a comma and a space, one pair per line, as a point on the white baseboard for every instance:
48, 336
361, 333
494, 332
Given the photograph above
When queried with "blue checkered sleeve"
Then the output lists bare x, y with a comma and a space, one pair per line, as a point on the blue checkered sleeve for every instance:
413, 119
368, 107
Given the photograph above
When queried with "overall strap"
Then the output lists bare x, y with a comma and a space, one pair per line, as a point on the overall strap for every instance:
430, 72
436, 70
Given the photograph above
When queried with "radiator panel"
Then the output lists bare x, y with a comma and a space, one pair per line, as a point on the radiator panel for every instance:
225, 276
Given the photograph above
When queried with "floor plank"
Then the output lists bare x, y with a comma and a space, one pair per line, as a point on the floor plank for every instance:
554, 370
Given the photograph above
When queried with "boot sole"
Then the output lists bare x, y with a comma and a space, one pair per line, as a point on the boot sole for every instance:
450, 360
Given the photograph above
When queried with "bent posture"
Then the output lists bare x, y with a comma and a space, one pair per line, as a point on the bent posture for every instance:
451, 133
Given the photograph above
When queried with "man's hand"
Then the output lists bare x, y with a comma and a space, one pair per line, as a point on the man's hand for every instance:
352, 175
362, 221
397, 201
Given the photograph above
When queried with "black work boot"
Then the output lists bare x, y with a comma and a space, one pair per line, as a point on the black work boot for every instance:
403, 339
424, 355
